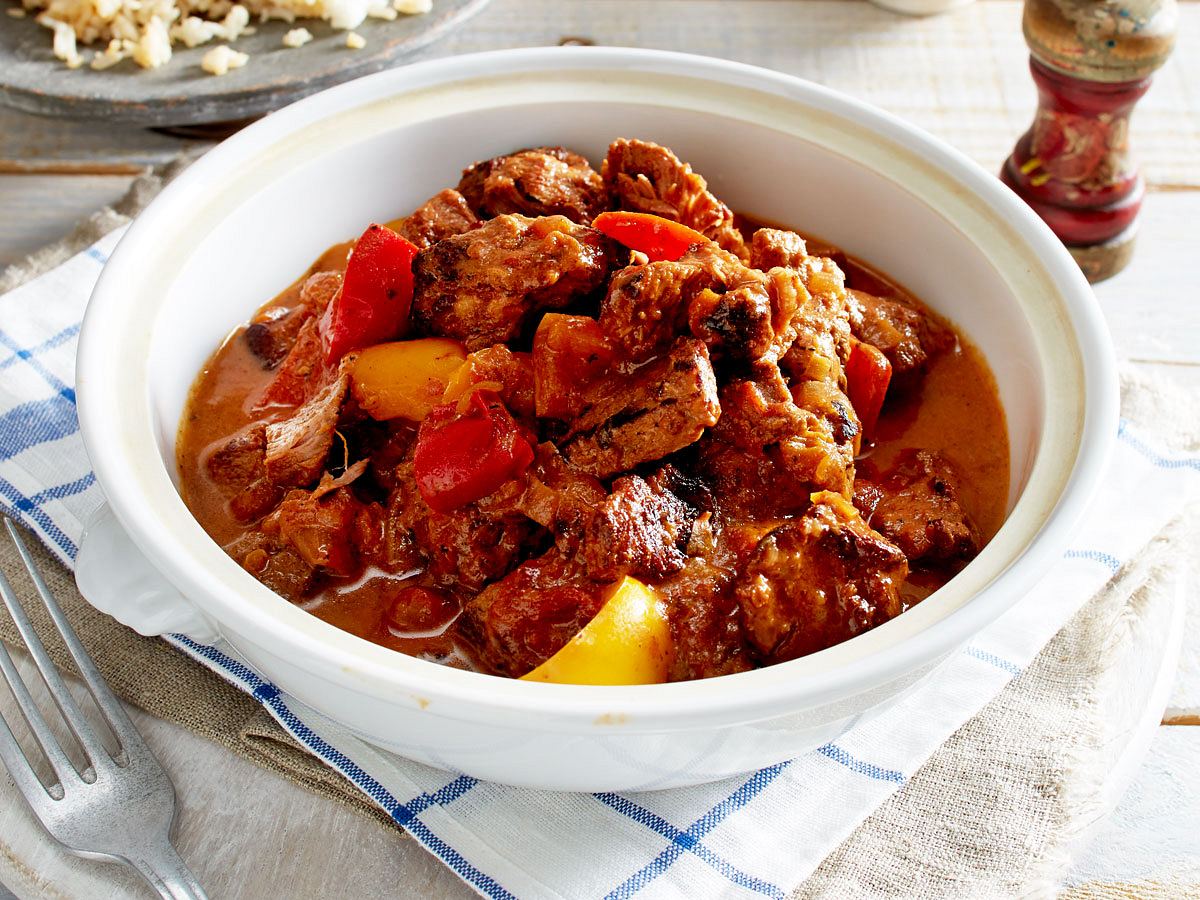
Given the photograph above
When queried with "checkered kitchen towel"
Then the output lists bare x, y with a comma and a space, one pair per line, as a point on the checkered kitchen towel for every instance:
758, 834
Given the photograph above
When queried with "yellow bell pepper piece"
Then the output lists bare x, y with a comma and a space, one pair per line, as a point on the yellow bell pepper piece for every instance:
628, 642
404, 379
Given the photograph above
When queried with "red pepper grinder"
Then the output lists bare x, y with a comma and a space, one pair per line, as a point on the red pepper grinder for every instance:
1092, 60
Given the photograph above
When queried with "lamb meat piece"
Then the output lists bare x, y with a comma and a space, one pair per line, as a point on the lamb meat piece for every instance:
384, 542
240, 460
775, 247
486, 286
507, 373
390, 447
770, 453
297, 447
543, 181
906, 336
916, 506
320, 527
663, 407
472, 545
274, 331
640, 530
818, 580
441, 216
644, 177
522, 620
646, 306
706, 628
256, 500
319, 290
238, 469
556, 495
822, 324
740, 313
753, 320
302, 372
272, 562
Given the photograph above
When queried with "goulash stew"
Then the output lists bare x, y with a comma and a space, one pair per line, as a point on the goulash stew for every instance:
593, 427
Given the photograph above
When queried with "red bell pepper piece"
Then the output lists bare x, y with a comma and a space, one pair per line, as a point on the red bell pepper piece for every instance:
868, 374
659, 238
372, 305
462, 456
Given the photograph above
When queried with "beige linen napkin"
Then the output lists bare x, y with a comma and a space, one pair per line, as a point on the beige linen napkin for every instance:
995, 812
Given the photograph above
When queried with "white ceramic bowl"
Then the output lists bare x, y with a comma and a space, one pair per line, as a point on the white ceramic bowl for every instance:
242, 222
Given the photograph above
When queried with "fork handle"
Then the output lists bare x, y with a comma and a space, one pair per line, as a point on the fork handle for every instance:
167, 873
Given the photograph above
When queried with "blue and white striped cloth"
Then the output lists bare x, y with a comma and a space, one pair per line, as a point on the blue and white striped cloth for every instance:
759, 834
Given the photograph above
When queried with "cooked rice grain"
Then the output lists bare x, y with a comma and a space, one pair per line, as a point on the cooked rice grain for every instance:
145, 30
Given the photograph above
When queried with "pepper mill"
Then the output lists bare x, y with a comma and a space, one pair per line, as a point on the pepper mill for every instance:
1091, 60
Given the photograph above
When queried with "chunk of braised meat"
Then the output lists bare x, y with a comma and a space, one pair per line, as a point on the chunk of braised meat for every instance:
385, 541
772, 247
441, 216
739, 312
705, 619
916, 505
272, 333
320, 527
274, 563
238, 468
239, 460
755, 320
525, 618
908, 337
485, 287
646, 306
297, 447
392, 446
645, 177
769, 453
472, 545
663, 407
556, 495
640, 530
543, 181
822, 324
775, 444
819, 580
302, 372
506, 373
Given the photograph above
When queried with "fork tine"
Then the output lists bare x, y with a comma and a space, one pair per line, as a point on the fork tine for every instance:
110, 707
33, 716
79, 725
20, 771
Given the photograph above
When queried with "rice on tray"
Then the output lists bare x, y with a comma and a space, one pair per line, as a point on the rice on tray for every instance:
145, 30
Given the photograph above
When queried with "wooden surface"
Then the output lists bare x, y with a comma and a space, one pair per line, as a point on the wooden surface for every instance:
179, 93
961, 76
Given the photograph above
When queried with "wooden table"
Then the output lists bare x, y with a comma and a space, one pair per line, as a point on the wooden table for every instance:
961, 76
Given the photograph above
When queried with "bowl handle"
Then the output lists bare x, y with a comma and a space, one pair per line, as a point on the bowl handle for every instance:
114, 576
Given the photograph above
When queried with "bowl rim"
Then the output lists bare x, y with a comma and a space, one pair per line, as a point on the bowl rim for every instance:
355, 663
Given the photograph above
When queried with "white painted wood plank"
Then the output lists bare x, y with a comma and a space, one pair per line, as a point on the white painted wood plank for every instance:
1152, 837
962, 75
36, 210
1153, 307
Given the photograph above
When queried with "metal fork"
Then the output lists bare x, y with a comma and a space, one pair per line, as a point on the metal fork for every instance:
117, 808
